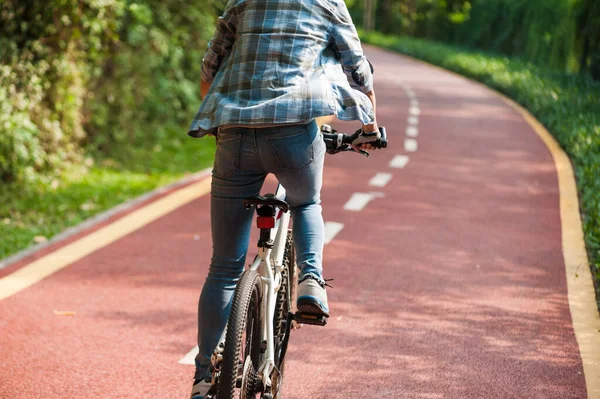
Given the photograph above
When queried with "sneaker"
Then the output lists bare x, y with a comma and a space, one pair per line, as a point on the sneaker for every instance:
312, 297
200, 389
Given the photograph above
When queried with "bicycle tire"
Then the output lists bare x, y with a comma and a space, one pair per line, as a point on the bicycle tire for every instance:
245, 317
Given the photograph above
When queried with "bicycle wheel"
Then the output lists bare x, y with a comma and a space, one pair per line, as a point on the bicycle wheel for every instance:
243, 339
284, 304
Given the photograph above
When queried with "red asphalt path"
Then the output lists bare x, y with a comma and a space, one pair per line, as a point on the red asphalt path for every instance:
451, 284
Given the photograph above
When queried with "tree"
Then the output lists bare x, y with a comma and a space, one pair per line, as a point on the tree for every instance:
369, 14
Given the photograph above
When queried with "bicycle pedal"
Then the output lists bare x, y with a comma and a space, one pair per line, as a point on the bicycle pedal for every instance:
308, 318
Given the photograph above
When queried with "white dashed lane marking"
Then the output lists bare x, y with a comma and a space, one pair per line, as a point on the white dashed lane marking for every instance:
358, 201
413, 120
414, 111
399, 161
189, 358
331, 230
412, 131
380, 179
410, 145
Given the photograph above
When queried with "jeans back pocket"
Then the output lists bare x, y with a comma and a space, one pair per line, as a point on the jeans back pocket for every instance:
293, 147
227, 157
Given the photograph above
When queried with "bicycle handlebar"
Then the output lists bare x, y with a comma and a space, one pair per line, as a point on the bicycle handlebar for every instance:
338, 142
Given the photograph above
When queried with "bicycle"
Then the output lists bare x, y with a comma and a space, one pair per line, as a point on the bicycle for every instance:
250, 355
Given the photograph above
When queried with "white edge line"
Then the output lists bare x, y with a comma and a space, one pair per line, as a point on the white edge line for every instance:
94, 220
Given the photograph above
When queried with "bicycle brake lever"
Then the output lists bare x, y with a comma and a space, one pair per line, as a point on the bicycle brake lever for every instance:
351, 149
361, 152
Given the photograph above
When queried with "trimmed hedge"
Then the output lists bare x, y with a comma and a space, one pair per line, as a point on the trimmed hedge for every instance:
569, 106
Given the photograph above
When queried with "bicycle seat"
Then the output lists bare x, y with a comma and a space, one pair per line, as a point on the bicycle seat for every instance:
267, 200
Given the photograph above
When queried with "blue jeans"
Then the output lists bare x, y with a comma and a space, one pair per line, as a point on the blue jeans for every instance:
295, 154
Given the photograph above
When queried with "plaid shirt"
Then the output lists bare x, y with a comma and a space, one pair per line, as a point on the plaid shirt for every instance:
283, 61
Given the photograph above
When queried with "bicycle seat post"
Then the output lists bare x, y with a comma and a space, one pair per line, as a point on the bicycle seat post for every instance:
265, 222
266, 208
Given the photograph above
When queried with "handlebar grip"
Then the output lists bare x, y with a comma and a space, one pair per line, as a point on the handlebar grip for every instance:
382, 142
336, 142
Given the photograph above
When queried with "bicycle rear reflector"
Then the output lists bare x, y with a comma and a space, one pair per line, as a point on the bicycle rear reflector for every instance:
265, 222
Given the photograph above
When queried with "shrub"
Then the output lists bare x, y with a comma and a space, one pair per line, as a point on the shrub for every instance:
43, 51
106, 75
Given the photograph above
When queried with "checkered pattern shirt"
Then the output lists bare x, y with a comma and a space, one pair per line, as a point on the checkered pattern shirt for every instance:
283, 61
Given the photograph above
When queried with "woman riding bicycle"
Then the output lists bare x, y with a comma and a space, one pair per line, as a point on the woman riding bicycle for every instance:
271, 68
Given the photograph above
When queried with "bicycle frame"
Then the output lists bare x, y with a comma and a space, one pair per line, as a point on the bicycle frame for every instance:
269, 265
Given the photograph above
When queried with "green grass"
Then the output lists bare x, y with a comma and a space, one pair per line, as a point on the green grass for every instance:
49, 207
569, 106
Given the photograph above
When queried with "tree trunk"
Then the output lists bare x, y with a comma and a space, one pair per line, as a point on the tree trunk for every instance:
412, 10
583, 60
369, 15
